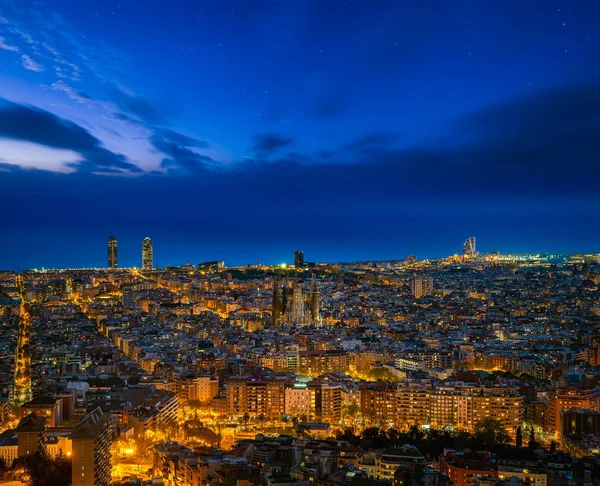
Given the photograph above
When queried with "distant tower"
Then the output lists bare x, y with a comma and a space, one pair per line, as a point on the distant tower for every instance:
112, 252
299, 259
469, 248
313, 301
297, 310
147, 260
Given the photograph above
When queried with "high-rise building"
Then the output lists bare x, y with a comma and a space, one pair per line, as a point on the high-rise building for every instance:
112, 252
313, 302
91, 457
299, 259
565, 399
147, 258
422, 287
469, 248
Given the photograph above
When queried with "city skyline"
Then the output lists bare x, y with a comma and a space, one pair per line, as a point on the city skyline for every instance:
295, 259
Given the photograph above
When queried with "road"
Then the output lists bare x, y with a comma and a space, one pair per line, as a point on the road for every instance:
22, 378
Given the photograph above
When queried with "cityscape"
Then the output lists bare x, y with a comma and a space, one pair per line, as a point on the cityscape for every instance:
299, 243
472, 369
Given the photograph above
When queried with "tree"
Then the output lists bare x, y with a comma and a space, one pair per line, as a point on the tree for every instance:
519, 439
532, 444
490, 432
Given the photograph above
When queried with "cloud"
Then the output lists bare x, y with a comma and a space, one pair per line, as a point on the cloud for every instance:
76, 95
180, 157
180, 139
30, 64
3, 20
51, 49
268, 143
24, 35
7, 47
27, 155
36, 126
137, 106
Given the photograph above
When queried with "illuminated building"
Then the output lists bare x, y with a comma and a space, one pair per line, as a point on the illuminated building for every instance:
413, 403
328, 402
313, 302
298, 401
49, 407
147, 255
91, 457
112, 252
256, 397
294, 305
462, 467
565, 399
315, 363
378, 401
31, 434
469, 248
299, 259
277, 305
297, 308
580, 422
464, 408
422, 286
401, 458
201, 388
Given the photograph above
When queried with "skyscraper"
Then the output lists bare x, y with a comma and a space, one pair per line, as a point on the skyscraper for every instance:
299, 259
147, 260
112, 252
469, 247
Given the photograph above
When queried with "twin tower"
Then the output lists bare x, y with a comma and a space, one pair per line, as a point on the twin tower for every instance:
147, 255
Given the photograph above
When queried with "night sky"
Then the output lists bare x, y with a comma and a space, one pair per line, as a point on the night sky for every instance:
242, 130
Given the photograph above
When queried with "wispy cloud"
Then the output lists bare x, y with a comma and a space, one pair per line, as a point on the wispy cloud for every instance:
7, 47
51, 49
3, 20
74, 94
24, 35
30, 64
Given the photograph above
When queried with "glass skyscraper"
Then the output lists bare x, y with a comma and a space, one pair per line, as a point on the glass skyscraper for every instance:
112, 252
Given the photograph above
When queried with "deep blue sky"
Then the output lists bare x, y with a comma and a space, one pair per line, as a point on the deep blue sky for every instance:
243, 130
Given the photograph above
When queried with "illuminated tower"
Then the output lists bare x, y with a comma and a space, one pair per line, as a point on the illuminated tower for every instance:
147, 261
112, 252
299, 259
297, 310
469, 248
277, 304
313, 301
